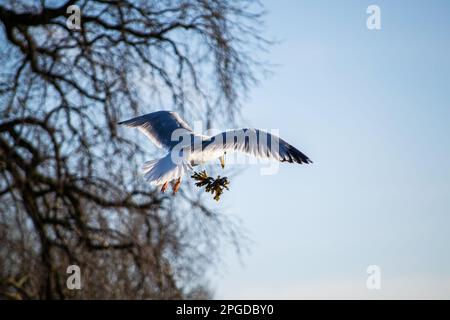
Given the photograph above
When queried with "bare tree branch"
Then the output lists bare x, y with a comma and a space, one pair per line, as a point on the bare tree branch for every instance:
69, 193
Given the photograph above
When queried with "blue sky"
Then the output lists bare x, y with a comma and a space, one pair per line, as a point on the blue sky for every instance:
371, 109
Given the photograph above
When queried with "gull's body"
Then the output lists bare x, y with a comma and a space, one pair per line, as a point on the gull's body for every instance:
186, 149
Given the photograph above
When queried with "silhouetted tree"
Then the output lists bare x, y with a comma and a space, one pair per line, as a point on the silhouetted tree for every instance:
70, 192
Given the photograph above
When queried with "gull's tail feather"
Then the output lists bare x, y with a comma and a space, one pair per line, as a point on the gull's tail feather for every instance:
159, 171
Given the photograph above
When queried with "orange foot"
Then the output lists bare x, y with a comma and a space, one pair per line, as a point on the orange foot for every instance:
164, 187
176, 186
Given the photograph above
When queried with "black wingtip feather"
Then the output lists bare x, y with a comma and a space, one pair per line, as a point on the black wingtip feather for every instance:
298, 156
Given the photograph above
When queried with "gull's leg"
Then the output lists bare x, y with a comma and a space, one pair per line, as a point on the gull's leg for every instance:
164, 187
222, 161
176, 186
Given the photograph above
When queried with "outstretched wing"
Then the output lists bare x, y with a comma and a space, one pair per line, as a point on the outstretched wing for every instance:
159, 126
257, 143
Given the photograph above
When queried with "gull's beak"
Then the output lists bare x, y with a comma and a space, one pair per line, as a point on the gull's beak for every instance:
222, 161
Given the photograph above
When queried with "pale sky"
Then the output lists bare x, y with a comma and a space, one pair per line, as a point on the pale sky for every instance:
371, 109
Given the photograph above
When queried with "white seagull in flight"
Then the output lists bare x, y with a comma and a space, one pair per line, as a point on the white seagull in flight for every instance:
186, 149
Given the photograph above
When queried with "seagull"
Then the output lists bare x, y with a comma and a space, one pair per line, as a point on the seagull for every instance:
186, 149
